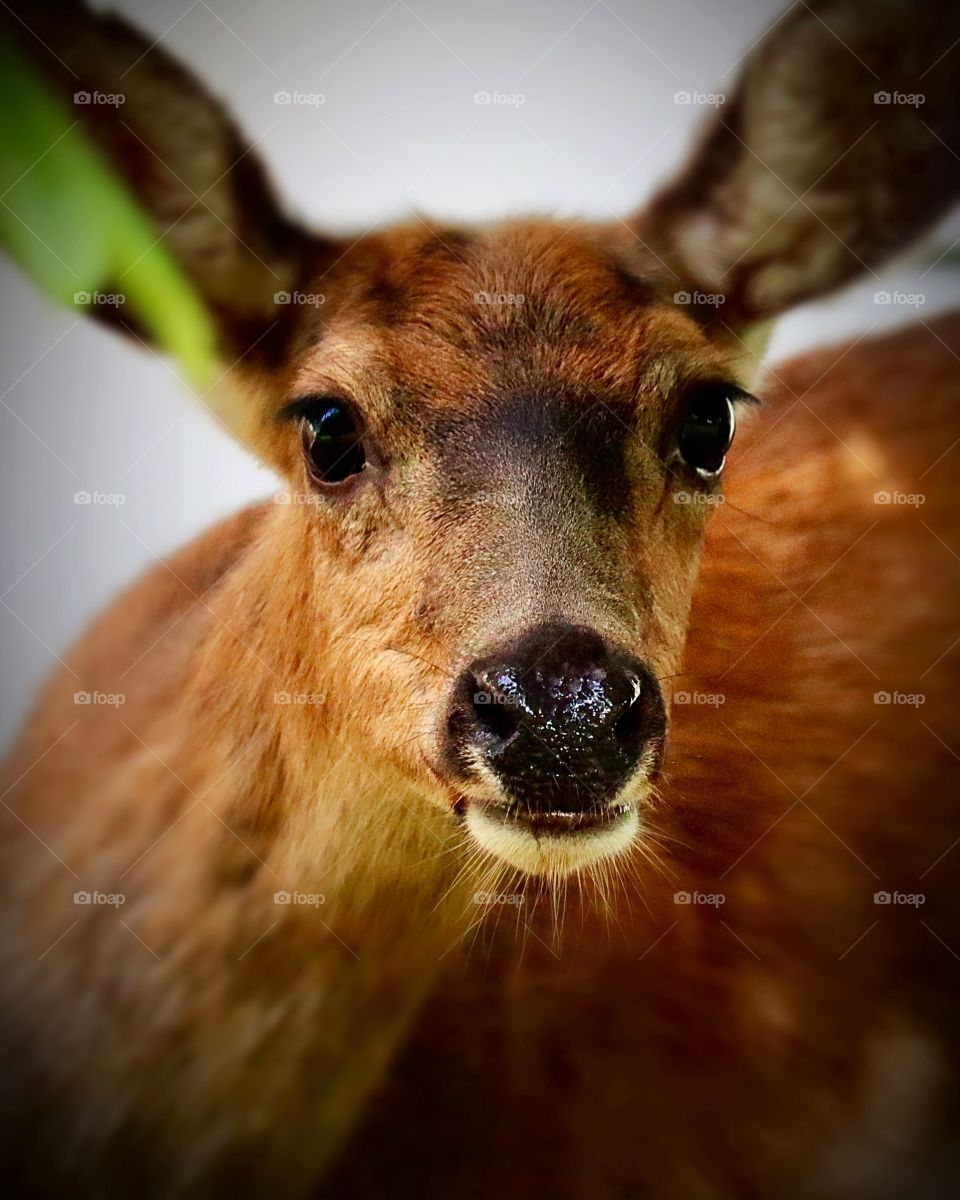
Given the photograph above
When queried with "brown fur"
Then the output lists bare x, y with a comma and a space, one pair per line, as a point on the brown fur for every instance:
287, 678
748, 1048
799, 1040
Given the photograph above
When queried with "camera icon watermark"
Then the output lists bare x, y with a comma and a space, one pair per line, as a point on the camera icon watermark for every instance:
900, 699
699, 499
100, 899
300, 899
508, 298
100, 99
97, 299
100, 499
494, 698
900, 299
296, 299
900, 499
100, 699
493, 899
300, 99
704, 899
900, 99
708, 299
707, 699
703, 99
500, 99
900, 899
298, 499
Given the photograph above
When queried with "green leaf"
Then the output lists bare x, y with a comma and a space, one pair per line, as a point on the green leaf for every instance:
74, 228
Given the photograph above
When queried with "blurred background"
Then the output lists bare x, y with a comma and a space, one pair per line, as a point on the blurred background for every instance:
364, 111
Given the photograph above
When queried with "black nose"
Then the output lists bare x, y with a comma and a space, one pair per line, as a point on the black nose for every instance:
559, 716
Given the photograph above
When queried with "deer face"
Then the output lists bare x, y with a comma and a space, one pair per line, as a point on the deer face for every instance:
490, 434
501, 446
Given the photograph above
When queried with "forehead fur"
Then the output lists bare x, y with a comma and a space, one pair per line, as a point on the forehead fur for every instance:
453, 316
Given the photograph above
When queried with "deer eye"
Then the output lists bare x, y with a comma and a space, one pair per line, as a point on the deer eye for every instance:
332, 442
707, 431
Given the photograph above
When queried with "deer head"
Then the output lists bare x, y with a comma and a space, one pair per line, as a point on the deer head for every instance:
499, 445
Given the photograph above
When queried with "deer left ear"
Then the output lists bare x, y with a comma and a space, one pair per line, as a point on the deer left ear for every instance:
840, 145
179, 153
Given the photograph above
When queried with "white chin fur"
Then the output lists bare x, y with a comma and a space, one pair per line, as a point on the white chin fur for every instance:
550, 855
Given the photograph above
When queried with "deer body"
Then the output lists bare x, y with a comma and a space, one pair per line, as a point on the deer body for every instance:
699, 1051
792, 1052
195, 805
418, 883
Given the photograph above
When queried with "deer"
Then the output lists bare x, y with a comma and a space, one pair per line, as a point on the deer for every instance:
507, 805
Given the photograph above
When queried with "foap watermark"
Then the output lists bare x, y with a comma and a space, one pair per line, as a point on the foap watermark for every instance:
100, 699
97, 299
900, 899
297, 498
310, 299
100, 899
100, 99
703, 899
301, 899
900, 499
710, 299
705, 499
706, 99
708, 699
900, 699
303, 698
494, 899
508, 298
494, 698
500, 499
500, 99
100, 499
900, 99
900, 299
300, 99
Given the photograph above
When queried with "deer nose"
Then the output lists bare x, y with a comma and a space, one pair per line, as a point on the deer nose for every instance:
559, 716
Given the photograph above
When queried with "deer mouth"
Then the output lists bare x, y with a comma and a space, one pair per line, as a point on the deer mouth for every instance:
552, 843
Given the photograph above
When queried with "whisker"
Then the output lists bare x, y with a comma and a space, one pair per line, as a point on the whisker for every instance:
420, 658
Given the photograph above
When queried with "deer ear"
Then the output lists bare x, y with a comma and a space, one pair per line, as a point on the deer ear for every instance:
179, 154
839, 145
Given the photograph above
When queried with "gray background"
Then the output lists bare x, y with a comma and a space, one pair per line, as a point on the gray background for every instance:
80, 409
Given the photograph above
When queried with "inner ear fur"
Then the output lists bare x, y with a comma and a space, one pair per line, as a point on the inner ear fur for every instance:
819, 166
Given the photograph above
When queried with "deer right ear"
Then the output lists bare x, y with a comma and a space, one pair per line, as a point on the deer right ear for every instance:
839, 145
179, 154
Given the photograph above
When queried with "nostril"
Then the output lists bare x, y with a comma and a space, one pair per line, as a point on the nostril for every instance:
494, 715
631, 726
628, 728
